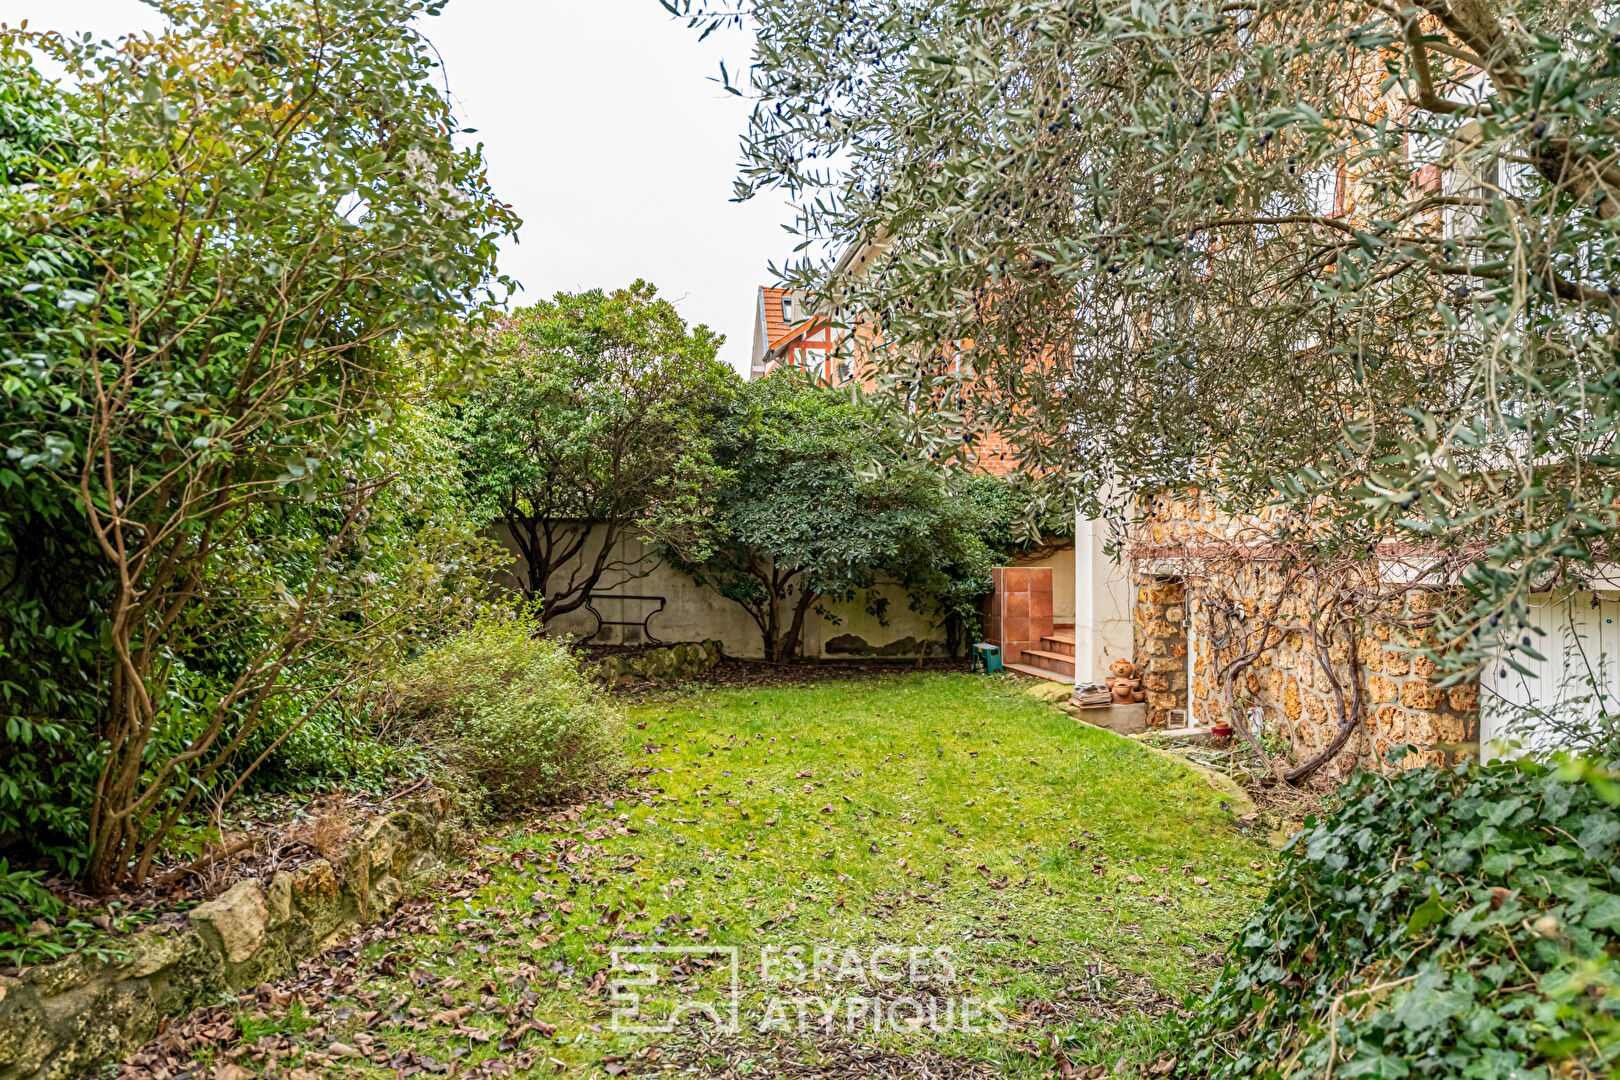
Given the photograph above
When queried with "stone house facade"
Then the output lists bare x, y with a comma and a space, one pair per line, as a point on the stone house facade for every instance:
1220, 625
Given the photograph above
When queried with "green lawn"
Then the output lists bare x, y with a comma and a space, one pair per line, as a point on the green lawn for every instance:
1060, 878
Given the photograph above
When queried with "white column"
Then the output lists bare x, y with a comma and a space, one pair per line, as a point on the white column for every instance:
1102, 603
1084, 620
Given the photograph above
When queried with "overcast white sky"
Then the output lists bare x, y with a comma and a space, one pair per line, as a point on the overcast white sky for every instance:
602, 129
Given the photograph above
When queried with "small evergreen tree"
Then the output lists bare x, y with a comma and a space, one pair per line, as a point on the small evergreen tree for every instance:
589, 430
819, 503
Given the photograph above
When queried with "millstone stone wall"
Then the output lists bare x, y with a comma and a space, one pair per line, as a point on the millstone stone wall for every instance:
64, 1019
1192, 561
1160, 631
1404, 704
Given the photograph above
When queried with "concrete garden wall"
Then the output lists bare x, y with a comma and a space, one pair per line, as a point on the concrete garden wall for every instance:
696, 613
64, 1019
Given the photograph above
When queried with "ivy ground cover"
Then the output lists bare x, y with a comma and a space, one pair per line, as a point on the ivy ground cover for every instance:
928, 871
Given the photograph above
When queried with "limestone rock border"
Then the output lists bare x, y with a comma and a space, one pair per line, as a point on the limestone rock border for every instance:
62, 1020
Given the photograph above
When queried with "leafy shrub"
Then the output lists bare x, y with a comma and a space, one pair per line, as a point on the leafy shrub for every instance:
22, 900
510, 710
1008, 521
47, 786
1454, 923
330, 747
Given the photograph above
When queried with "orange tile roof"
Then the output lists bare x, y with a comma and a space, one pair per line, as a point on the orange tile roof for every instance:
775, 326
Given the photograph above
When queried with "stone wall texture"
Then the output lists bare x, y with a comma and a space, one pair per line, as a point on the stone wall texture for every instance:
1404, 703
65, 1019
680, 661
1160, 631
1187, 555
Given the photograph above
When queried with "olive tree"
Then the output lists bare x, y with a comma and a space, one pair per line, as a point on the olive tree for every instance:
1354, 257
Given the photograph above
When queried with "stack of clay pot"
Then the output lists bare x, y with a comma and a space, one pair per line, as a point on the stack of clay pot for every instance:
1124, 683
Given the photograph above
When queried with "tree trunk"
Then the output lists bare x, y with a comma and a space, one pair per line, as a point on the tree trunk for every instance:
126, 730
537, 567
771, 627
578, 594
790, 642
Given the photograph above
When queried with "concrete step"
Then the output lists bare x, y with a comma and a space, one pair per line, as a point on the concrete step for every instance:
1052, 661
1121, 719
1039, 673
